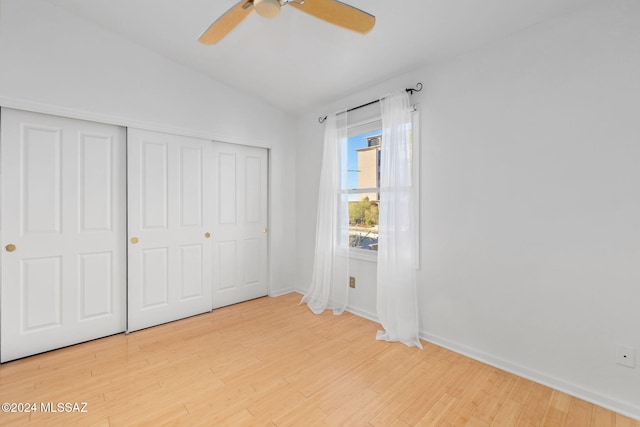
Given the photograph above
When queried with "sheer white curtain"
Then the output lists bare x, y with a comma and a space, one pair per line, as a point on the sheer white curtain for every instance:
330, 280
397, 304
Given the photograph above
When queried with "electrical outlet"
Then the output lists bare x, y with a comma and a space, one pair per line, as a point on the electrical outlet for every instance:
352, 282
626, 356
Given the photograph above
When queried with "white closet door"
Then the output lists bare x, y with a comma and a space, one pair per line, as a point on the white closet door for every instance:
63, 232
169, 219
240, 218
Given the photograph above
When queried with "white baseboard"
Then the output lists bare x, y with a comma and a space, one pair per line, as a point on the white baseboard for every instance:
362, 313
281, 292
625, 408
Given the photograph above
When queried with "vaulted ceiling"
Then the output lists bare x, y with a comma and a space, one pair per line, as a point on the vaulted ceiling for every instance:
295, 61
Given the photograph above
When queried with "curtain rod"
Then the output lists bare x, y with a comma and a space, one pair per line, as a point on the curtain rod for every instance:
418, 88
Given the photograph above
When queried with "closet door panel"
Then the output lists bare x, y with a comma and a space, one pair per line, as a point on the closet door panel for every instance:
169, 209
240, 221
63, 232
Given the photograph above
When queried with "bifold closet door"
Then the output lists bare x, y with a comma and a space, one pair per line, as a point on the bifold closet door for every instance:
240, 223
169, 219
63, 232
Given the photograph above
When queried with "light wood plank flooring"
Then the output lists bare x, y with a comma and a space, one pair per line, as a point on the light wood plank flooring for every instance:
272, 362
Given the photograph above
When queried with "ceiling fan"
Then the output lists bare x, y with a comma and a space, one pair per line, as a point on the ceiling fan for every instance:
331, 11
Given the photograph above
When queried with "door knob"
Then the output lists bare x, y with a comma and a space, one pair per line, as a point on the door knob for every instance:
10, 247
134, 240
264, 230
207, 234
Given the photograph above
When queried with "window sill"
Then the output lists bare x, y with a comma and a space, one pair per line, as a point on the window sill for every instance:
363, 255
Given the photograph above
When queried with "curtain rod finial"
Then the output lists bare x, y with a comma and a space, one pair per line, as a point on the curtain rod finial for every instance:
418, 88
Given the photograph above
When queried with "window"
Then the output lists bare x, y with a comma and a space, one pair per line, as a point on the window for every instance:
363, 184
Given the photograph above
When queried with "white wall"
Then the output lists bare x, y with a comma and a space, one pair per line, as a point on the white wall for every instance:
54, 62
530, 204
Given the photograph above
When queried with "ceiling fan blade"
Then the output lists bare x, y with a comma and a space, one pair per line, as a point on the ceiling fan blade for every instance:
227, 22
338, 13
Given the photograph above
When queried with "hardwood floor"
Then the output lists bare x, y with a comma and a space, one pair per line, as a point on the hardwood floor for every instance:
272, 362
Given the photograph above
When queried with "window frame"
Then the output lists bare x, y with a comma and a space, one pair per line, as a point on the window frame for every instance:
369, 125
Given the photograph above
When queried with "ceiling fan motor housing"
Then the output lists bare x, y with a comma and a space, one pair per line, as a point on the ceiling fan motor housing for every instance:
267, 8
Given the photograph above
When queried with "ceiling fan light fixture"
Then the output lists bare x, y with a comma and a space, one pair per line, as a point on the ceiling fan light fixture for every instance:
267, 8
